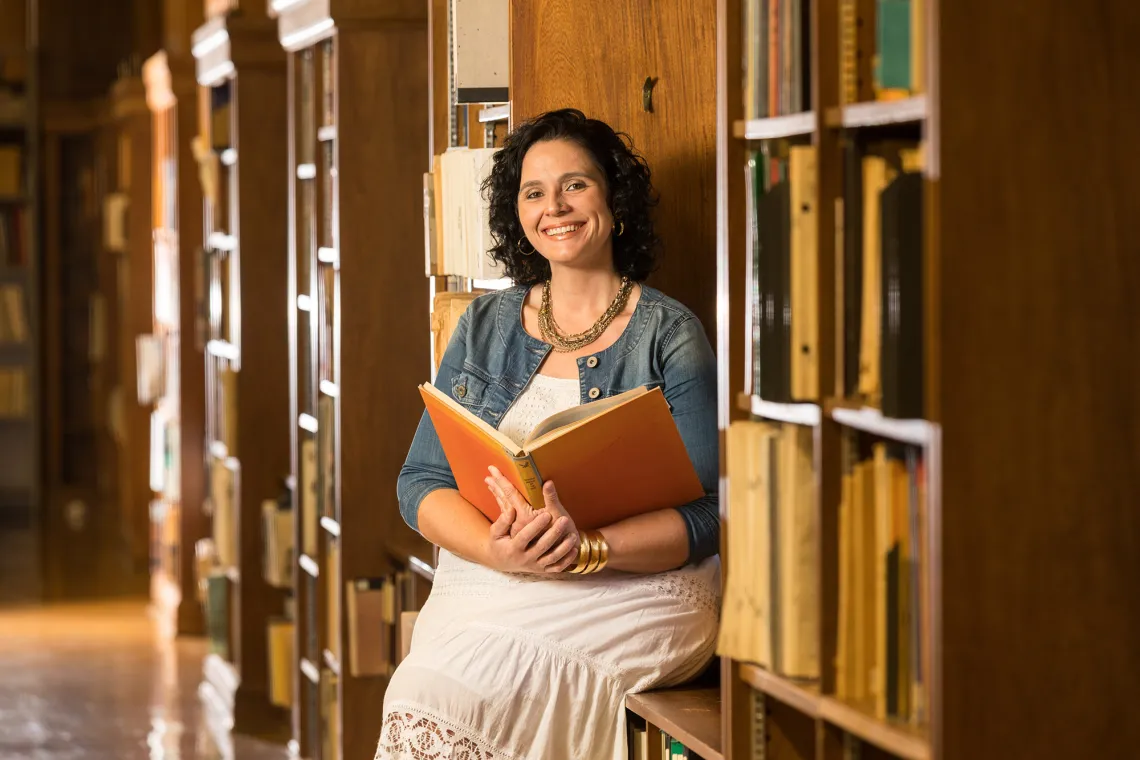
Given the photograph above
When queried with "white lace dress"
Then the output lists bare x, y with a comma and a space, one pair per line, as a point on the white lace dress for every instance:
513, 666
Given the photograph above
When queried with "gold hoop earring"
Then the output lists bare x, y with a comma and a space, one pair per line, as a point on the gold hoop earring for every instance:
519, 245
621, 228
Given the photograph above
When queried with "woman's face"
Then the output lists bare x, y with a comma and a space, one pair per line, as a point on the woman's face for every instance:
562, 205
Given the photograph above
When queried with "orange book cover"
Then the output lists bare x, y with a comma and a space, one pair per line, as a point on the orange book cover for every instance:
609, 459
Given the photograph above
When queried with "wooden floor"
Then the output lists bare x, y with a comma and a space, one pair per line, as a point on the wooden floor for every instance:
89, 681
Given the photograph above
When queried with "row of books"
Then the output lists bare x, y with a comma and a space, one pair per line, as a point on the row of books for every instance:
13, 314
11, 170
782, 199
882, 654
15, 399
882, 53
882, 49
222, 508
14, 231
317, 494
881, 299
668, 748
222, 390
457, 235
770, 614
777, 57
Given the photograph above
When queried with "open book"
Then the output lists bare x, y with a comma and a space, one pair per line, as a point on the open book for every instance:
609, 459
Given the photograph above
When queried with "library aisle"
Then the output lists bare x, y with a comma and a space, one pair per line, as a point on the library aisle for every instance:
99, 681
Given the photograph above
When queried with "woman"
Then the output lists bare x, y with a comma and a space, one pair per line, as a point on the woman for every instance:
533, 634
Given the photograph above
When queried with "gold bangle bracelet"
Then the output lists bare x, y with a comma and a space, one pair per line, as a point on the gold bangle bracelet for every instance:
583, 554
595, 554
604, 551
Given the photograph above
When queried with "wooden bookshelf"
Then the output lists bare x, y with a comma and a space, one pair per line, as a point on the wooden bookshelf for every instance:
1021, 522
691, 716
242, 89
127, 210
357, 87
23, 430
177, 450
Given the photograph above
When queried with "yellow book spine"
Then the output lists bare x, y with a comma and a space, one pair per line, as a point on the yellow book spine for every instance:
532, 481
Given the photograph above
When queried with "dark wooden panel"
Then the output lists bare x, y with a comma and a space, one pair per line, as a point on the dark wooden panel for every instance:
81, 44
1041, 362
440, 98
383, 311
192, 385
613, 48
263, 383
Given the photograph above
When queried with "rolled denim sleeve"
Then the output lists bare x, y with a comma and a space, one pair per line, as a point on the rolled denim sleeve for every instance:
689, 367
426, 468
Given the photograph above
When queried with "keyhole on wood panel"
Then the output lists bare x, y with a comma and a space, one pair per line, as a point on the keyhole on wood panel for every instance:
647, 93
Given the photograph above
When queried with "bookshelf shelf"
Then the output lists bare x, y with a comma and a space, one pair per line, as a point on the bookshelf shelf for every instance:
220, 241
332, 662
306, 171
310, 671
879, 113
326, 133
902, 740
692, 716
916, 432
421, 568
326, 255
223, 349
228, 157
331, 526
799, 414
307, 422
802, 696
309, 565
775, 127
329, 388
495, 113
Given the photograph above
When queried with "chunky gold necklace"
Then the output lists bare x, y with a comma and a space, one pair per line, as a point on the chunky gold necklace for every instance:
566, 343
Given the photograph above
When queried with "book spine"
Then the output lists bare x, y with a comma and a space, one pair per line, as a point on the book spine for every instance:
531, 481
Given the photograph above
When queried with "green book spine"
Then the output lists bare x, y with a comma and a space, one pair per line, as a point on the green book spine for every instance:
892, 60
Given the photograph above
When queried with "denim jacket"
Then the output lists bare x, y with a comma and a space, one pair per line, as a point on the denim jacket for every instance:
490, 359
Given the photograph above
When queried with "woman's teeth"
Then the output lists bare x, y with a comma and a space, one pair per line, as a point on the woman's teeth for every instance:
554, 231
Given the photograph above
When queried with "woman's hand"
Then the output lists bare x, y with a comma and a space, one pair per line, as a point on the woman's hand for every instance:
526, 540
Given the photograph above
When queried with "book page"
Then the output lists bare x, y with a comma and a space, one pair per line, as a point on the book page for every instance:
567, 419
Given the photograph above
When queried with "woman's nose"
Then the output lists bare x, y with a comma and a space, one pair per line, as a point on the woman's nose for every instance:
556, 204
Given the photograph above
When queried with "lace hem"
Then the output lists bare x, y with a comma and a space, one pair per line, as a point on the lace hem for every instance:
411, 732
691, 589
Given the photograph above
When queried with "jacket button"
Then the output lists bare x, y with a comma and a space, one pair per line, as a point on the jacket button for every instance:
461, 390
592, 362
594, 393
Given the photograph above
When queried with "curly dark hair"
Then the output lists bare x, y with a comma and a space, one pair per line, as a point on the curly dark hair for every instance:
630, 194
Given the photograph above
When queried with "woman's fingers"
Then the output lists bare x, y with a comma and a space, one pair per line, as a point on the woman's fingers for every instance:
501, 528
548, 540
532, 531
562, 556
507, 489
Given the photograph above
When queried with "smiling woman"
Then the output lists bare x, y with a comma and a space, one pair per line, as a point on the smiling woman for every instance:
535, 632
601, 174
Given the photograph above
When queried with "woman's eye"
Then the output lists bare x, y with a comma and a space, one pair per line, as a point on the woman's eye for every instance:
532, 195
576, 186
